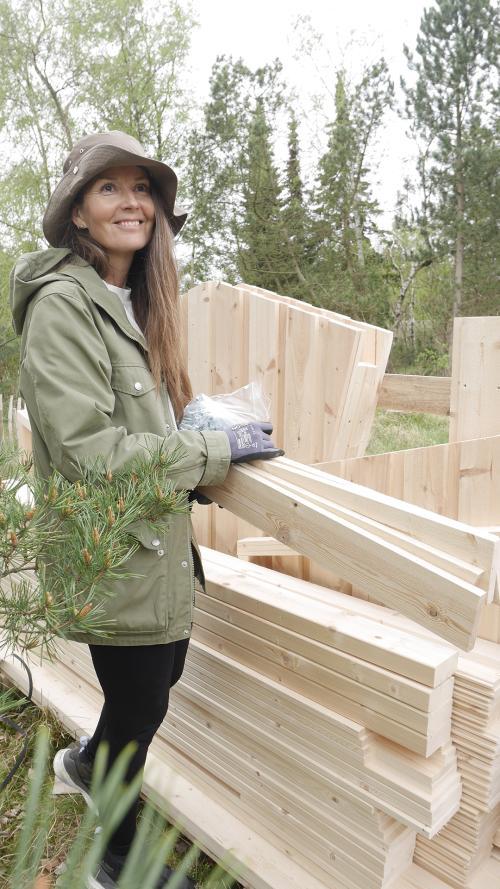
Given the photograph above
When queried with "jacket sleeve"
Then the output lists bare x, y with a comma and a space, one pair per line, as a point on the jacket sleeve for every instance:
66, 375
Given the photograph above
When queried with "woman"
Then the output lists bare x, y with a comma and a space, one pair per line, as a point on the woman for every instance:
103, 373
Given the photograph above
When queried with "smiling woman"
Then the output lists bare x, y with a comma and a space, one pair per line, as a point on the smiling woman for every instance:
117, 210
103, 374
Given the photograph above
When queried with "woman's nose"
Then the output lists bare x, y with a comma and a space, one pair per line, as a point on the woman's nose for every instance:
129, 198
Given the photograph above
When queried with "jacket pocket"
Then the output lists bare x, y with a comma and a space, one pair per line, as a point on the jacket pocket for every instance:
139, 603
131, 379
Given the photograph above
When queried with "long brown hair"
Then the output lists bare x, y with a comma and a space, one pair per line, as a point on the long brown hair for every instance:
154, 282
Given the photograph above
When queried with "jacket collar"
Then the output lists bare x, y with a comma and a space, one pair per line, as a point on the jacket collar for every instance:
97, 291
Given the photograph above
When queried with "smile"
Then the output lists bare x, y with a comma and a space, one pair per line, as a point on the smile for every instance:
129, 223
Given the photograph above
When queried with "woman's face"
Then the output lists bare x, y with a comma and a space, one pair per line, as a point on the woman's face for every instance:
118, 210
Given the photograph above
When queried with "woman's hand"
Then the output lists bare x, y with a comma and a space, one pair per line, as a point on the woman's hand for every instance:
251, 441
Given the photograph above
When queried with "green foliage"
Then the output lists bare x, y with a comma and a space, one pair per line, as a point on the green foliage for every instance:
453, 106
75, 535
68, 67
71, 66
347, 271
152, 846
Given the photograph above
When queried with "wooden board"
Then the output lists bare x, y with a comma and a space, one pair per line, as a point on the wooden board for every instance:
412, 393
305, 739
346, 623
255, 859
448, 606
475, 378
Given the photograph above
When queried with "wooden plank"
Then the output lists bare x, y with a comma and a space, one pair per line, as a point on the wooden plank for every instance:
412, 393
422, 743
202, 818
198, 337
376, 342
280, 640
447, 605
475, 394
464, 570
348, 624
360, 768
457, 539
262, 546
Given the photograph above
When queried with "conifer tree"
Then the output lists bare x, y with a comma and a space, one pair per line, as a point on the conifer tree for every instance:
262, 259
451, 102
347, 269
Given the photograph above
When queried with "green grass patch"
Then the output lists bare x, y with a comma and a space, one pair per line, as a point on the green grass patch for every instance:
395, 431
66, 810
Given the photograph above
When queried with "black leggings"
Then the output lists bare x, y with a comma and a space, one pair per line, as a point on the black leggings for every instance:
136, 681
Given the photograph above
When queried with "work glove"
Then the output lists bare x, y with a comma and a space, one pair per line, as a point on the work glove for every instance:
250, 441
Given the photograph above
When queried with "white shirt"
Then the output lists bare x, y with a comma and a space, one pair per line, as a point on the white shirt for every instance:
124, 295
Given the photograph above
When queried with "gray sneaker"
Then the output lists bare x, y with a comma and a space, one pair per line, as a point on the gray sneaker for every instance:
74, 771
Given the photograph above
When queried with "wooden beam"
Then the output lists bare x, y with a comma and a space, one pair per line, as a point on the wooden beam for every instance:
262, 546
475, 392
411, 393
442, 602
471, 545
344, 623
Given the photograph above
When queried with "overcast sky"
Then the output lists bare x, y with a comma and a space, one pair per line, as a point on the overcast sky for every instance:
353, 32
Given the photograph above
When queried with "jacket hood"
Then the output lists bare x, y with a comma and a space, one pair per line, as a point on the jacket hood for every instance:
32, 271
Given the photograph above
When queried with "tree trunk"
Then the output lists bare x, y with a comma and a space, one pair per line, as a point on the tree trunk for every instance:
460, 214
359, 239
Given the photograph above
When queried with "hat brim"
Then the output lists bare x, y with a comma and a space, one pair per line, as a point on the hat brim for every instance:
93, 162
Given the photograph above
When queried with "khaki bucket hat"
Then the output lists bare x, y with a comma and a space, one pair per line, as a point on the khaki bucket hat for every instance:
90, 156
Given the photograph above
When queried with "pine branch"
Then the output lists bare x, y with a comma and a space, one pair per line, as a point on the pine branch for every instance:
76, 536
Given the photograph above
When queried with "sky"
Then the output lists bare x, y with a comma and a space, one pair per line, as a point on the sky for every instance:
353, 32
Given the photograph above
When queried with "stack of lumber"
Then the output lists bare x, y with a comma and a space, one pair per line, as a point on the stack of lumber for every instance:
435, 570
320, 371
261, 730
465, 843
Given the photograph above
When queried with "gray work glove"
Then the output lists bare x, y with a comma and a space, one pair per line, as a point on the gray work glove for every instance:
250, 441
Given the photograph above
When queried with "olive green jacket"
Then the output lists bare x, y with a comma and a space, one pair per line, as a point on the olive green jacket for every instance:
85, 379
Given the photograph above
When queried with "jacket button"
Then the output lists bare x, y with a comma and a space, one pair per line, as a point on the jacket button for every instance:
184, 564
155, 542
186, 632
138, 386
161, 552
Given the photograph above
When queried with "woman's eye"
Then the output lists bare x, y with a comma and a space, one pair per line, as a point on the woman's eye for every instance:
144, 186
107, 187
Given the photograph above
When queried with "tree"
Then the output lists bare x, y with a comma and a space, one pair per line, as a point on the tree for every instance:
295, 217
345, 210
262, 257
68, 67
241, 102
450, 104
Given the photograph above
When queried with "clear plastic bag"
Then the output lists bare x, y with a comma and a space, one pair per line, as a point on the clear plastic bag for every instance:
245, 405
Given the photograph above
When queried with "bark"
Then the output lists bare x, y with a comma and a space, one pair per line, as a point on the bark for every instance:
406, 283
359, 239
460, 214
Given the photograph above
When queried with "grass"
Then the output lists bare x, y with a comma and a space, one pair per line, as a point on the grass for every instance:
66, 809
395, 431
